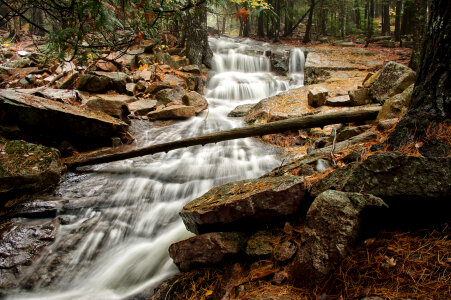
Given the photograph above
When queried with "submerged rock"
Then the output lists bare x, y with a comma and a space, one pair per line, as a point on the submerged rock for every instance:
27, 168
244, 204
331, 230
20, 244
207, 249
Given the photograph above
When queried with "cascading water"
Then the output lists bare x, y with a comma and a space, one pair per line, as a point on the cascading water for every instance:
119, 225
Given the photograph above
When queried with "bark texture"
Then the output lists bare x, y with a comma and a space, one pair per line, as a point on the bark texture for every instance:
431, 99
197, 48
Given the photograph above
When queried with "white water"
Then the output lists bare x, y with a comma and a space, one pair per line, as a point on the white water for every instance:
120, 226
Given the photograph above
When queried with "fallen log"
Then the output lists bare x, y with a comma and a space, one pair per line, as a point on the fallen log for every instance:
238, 133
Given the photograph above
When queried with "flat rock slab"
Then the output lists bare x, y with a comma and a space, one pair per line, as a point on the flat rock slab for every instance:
331, 229
142, 107
244, 204
339, 101
240, 110
42, 117
27, 168
20, 245
207, 249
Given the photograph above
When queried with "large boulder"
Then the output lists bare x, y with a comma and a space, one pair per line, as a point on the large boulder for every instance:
331, 229
21, 243
173, 112
207, 249
393, 79
417, 189
53, 121
27, 168
196, 100
395, 106
244, 204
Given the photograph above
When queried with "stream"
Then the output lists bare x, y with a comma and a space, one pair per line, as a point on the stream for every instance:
117, 227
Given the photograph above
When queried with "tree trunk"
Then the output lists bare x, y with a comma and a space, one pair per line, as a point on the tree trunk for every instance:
370, 21
386, 18
357, 18
276, 25
407, 18
246, 27
398, 21
308, 30
431, 99
197, 48
260, 25
418, 33
238, 133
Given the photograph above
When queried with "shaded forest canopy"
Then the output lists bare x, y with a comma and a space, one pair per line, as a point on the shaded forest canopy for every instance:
91, 29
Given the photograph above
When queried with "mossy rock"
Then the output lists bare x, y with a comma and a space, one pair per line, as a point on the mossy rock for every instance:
27, 168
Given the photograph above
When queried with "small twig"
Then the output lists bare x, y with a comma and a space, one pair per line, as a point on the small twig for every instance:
333, 147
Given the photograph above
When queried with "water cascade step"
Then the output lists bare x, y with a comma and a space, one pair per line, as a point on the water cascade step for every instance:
116, 228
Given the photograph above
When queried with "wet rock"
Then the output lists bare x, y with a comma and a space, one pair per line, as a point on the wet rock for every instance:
317, 96
36, 209
331, 229
47, 119
244, 204
21, 243
359, 97
240, 110
194, 69
279, 63
417, 188
142, 107
339, 101
285, 251
322, 165
348, 132
395, 106
111, 106
206, 250
168, 95
260, 244
196, 100
393, 79
27, 168
172, 113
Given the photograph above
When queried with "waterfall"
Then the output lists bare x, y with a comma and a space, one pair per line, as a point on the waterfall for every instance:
296, 66
118, 226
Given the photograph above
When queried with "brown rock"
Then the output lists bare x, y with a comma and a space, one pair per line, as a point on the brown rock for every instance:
370, 80
339, 101
331, 230
395, 106
142, 107
260, 244
106, 66
196, 100
169, 95
172, 113
285, 251
206, 250
244, 204
359, 97
317, 96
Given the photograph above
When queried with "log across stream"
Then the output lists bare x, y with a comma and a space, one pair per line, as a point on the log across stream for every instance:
237, 133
